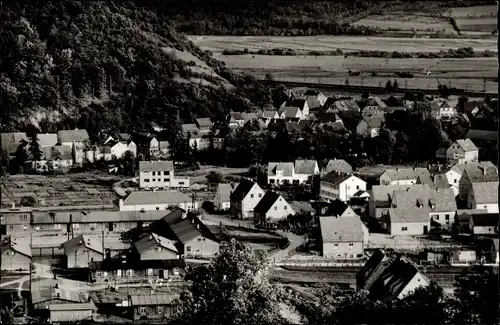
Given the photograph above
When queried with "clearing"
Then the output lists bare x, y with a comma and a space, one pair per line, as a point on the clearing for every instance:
345, 43
469, 74
397, 22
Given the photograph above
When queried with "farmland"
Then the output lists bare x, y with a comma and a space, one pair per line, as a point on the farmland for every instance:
467, 74
395, 22
475, 20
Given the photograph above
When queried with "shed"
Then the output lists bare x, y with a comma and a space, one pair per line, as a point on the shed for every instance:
153, 306
72, 312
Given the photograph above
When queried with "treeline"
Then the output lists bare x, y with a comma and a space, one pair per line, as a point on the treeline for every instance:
108, 66
460, 53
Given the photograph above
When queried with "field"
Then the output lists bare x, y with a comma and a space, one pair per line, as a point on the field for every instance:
76, 189
460, 73
345, 43
394, 22
475, 20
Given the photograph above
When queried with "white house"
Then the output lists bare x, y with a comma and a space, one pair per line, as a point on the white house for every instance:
340, 186
287, 172
157, 200
222, 199
160, 174
462, 151
370, 126
76, 139
244, 198
454, 174
121, 143
405, 176
484, 224
484, 195
271, 209
343, 237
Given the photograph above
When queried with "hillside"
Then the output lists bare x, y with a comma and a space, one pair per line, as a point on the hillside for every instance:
100, 65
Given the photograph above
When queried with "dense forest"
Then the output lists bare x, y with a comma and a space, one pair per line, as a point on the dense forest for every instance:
108, 65
290, 18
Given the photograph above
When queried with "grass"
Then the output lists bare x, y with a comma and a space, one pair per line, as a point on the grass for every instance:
475, 20
459, 73
395, 22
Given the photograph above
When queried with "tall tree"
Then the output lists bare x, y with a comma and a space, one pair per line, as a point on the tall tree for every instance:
35, 150
231, 289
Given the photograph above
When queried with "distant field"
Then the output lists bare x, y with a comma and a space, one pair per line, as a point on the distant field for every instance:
477, 11
475, 19
459, 73
345, 43
403, 22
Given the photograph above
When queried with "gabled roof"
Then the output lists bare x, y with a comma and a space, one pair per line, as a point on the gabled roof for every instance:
481, 174
153, 300
204, 122
302, 207
337, 208
224, 191
400, 174
441, 181
158, 165
152, 240
373, 268
73, 306
485, 220
336, 178
268, 114
410, 205
347, 105
347, 229
485, 192
296, 102
17, 245
191, 127
267, 201
461, 168
47, 139
88, 242
292, 112
242, 189
72, 136
467, 145
286, 167
307, 167
10, 141
158, 197
339, 165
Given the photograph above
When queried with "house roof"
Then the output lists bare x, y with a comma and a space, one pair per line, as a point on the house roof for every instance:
405, 204
464, 215
461, 168
158, 165
302, 207
73, 306
248, 116
185, 230
467, 145
441, 181
47, 139
17, 245
307, 167
485, 192
374, 122
373, 268
292, 112
296, 102
443, 199
372, 111
117, 264
152, 240
336, 208
298, 126
89, 242
347, 105
242, 189
339, 165
10, 141
46, 217
43, 290
204, 122
485, 220
163, 145
153, 300
400, 174
158, 197
286, 167
267, 201
224, 191
72, 136
341, 229
383, 193
191, 127
335, 177
481, 174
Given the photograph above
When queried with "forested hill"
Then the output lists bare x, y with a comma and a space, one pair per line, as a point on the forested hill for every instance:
100, 65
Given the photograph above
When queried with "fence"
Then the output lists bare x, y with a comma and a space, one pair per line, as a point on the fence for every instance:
319, 264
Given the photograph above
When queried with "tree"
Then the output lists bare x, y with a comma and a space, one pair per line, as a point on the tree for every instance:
28, 201
214, 177
388, 86
128, 163
131, 235
231, 289
4, 162
21, 157
395, 85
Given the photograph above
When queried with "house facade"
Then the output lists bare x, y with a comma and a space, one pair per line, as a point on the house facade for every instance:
484, 195
343, 237
244, 199
461, 152
160, 174
340, 186
82, 250
404, 176
77, 140
16, 254
484, 224
153, 307
222, 200
370, 126
271, 209
157, 200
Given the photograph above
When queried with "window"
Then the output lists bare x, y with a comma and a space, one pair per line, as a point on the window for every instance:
485, 207
271, 181
11, 227
351, 244
251, 196
181, 183
404, 228
57, 226
335, 246
176, 270
447, 217
150, 272
357, 187
130, 272
25, 227
188, 248
160, 309
154, 173
154, 179
157, 208
146, 180
437, 216
348, 187
119, 273
260, 194
142, 310
98, 274
454, 181
275, 208
25, 217
285, 207
166, 180
76, 226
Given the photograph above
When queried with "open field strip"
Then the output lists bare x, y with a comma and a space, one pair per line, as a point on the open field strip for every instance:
408, 22
460, 73
474, 20
345, 43
476, 11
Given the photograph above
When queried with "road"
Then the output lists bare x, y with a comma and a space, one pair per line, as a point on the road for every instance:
295, 241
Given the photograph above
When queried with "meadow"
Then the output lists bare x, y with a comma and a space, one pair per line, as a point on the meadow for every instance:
475, 20
468, 74
405, 22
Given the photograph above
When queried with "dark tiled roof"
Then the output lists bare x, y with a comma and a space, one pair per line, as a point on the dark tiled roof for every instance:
335, 177
336, 208
485, 220
242, 189
88, 242
153, 300
267, 202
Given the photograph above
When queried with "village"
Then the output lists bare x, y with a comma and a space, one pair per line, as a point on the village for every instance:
105, 227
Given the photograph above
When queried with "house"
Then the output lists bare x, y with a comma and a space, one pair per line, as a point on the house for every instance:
154, 247
481, 174
71, 312
373, 102
484, 224
268, 116
340, 186
160, 174
315, 99
49, 292
47, 139
462, 151
157, 200
290, 114
443, 109
381, 198
204, 125
454, 174
81, 250
302, 208
281, 173
271, 209
343, 105
222, 199
156, 306
462, 219
95, 153
54, 158
300, 103
443, 207
389, 278
305, 169
343, 238
372, 111
16, 254
120, 143
338, 165
11, 141
484, 195
370, 126
122, 270
338, 208
405, 176
76, 139
244, 198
